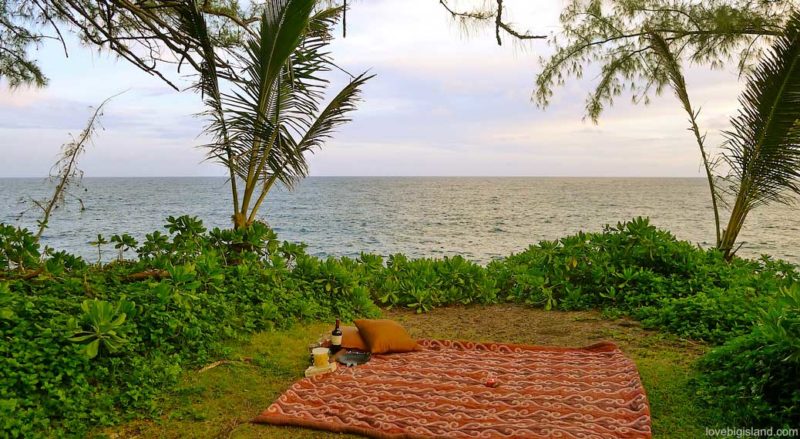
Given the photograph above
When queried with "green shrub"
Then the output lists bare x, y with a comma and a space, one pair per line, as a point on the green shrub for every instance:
755, 378
628, 266
715, 315
423, 284
18, 248
84, 344
637, 269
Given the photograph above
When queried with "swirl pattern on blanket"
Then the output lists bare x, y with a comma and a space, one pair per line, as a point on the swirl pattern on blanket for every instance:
440, 392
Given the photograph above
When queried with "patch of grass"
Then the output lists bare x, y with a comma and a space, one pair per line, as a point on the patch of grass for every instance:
221, 401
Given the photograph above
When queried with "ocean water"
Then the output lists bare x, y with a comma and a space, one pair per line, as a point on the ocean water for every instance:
479, 218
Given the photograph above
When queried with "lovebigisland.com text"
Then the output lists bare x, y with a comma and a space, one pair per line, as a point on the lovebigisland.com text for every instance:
730, 432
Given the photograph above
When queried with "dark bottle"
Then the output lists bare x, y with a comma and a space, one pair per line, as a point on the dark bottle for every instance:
336, 338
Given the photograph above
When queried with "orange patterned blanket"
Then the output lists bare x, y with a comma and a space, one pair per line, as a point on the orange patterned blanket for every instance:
440, 392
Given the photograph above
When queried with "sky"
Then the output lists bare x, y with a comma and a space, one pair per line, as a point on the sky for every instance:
442, 104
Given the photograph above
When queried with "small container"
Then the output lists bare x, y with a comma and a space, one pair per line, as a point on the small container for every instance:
490, 381
321, 356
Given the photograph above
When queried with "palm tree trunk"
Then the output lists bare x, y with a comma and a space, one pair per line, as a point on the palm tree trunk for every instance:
710, 176
735, 223
678, 82
267, 186
239, 221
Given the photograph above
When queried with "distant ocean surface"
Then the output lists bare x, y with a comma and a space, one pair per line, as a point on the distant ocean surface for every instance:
479, 218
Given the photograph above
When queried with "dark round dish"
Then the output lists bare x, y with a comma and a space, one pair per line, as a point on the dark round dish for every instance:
352, 358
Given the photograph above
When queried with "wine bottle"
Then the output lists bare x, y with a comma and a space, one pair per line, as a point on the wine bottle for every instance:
336, 338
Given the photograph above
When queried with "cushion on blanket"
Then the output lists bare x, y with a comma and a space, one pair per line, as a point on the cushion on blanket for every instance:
385, 336
351, 339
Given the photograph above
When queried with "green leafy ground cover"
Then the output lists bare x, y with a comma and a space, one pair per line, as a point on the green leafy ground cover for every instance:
86, 345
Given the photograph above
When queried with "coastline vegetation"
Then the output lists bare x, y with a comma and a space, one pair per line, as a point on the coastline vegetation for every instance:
86, 344
90, 344
642, 46
762, 148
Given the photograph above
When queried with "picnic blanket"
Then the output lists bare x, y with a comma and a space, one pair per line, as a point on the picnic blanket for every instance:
441, 392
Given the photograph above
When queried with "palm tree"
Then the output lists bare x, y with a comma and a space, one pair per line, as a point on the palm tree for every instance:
763, 148
271, 114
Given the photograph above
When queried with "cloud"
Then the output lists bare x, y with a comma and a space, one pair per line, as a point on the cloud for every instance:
443, 103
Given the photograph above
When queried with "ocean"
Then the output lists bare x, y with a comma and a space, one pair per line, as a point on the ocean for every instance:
479, 218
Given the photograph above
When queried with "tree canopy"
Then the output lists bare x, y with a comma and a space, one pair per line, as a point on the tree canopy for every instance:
611, 34
149, 34
615, 36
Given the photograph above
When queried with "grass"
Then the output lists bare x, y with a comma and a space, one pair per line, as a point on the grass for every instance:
220, 402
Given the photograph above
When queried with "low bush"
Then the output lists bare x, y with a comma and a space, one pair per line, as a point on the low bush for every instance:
637, 269
714, 315
755, 378
84, 344
422, 284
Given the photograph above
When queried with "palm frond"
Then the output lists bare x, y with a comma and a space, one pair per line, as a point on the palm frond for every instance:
271, 113
255, 104
763, 147
192, 23
334, 114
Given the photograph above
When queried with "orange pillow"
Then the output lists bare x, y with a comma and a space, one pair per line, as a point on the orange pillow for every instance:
351, 339
385, 336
